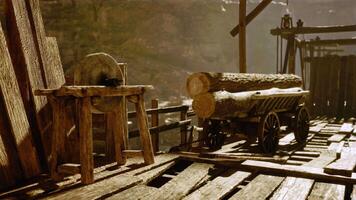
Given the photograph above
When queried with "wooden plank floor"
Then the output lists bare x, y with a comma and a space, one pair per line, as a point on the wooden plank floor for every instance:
305, 174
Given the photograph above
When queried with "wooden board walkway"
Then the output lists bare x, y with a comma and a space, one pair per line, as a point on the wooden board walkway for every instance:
316, 170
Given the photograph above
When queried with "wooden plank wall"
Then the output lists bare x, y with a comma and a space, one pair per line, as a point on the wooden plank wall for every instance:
28, 60
333, 86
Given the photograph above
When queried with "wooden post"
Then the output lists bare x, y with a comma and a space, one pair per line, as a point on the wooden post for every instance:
155, 123
123, 68
57, 132
86, 140
120, 125
291, 57
146, 142
242, 36
183, 130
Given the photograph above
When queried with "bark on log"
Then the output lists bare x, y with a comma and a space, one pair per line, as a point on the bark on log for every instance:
223, 104
203, 82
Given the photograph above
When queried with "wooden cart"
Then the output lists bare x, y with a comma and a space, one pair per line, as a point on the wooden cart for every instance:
263, 119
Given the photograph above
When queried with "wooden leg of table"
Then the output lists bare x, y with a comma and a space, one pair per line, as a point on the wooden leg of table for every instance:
86, 140
121, 128
116, 132
144, 131
57, 132
110, 142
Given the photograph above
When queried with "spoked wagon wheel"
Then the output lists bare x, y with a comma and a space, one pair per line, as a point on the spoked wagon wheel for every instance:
268, 131
301, 129
214, 138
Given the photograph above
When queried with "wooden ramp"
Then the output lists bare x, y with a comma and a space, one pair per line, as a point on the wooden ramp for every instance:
317, 170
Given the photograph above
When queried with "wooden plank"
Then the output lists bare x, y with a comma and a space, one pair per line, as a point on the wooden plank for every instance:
286, 140
159, 161
69, 168
155, 123
345, 165
16, 114
134, 193
220, 186
259, 188
154, 173
327, 191
99, 189
183, 183
85, 140
337, 138
47, 48
346, 128
298, 171
293, 187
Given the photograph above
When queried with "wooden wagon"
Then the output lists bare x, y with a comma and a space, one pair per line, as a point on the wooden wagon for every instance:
257, 115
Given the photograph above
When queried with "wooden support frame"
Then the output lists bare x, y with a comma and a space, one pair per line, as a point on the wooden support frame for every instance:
251, 16
313, 30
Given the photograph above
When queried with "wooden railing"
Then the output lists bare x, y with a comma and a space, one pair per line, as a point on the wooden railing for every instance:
155, 129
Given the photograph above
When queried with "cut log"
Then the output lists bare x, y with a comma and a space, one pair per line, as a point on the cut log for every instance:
203, 82
224, 104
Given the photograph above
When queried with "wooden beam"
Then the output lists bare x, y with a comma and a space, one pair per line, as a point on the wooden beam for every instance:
297, 171
252, 15
242, 36
348, 41
313, 30
87, 91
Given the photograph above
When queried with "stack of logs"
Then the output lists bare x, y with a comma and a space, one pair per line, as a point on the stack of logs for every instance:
218, 95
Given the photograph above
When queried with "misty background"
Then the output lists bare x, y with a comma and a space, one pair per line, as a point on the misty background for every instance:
163, 41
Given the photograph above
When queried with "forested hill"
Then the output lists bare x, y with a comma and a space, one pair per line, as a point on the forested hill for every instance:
164, 40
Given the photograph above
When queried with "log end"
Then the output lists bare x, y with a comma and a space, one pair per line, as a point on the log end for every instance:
197, 83
204, 105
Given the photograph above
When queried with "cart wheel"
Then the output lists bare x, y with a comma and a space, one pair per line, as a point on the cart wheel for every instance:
301, 129
214, 138
268, 131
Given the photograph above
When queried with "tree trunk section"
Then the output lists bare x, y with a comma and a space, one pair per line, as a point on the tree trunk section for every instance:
203, 82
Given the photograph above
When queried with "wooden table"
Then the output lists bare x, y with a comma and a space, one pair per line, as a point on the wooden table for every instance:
83, 95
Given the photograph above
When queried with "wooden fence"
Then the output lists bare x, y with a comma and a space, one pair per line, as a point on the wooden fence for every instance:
333, 86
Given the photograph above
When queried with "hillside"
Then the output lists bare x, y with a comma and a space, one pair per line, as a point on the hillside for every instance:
163, 41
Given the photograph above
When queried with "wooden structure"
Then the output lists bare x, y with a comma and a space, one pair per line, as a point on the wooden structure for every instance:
241, 29
83, 95
236, 171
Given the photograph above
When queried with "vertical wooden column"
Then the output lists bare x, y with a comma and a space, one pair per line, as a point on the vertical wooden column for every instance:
124, 111
155, 123
120, 125
146, 142
291, 57
86, 140
242, 36
57, 134
183, 130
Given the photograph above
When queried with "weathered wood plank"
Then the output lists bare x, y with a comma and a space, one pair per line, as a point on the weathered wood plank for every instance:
259, 188
16, 114
298, 171
154, 173
327, 191
346, 164
183, 183
337, 138
293, 187
101, 189
86, 91
134, 193
346, 128
220, 186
